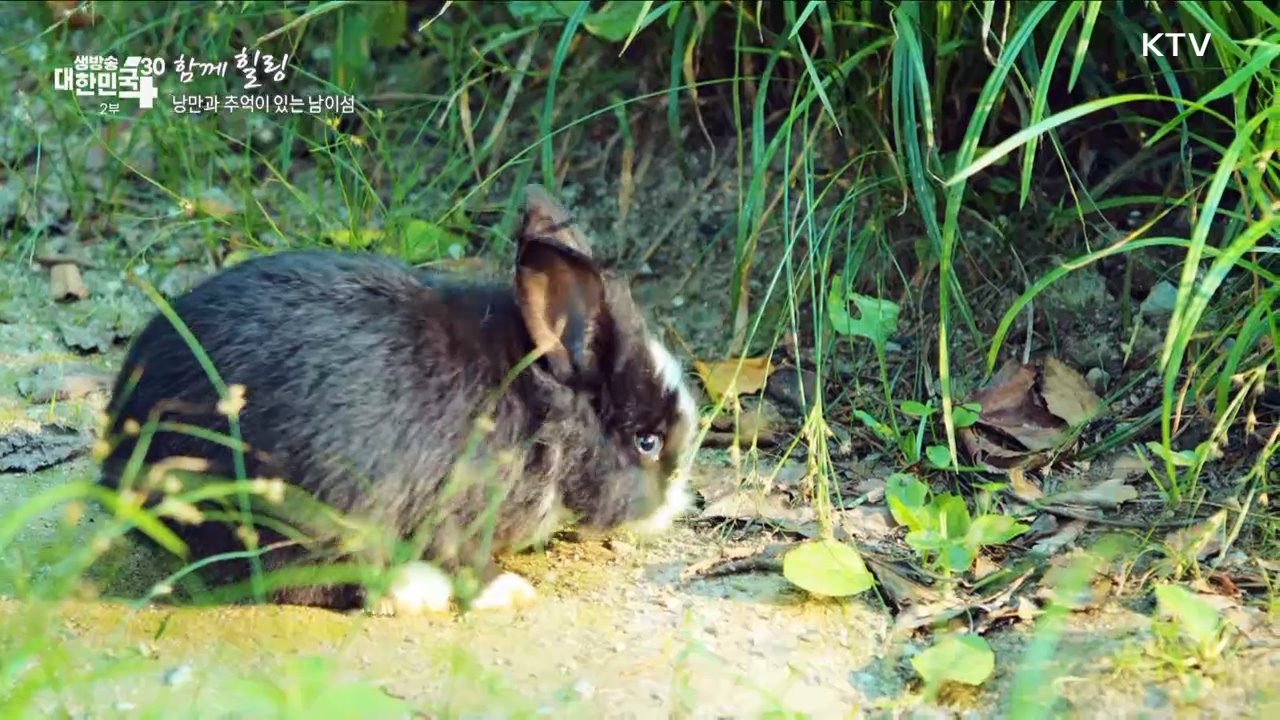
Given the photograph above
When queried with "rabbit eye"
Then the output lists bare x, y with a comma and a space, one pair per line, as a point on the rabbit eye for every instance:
648, 443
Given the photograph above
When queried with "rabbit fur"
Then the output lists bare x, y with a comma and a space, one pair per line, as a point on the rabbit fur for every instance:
389, 396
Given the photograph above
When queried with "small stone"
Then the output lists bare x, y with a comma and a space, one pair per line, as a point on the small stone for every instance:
620, 548
1098, 380
180, 675
1160, 300
584, 688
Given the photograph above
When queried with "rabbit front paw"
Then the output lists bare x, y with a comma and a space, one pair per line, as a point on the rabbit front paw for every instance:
508, 590
419, 588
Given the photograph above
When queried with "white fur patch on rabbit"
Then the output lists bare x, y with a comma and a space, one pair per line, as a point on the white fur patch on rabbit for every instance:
508, 590
419, 588
676, 499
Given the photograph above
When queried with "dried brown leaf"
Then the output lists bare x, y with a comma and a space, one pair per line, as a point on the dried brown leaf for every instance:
1012, 409
755, 419
724, 378
1106, 494
903, 591
866, 522
1066, 394
1060, 540
214, 203
1199, 540
1022, 486
65, 283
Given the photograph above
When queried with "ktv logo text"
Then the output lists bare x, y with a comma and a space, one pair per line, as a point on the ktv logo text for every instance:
1172, 43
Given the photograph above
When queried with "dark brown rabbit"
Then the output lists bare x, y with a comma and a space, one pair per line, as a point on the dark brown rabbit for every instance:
398, 399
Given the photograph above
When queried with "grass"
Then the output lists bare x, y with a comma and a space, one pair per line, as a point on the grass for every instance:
958, 163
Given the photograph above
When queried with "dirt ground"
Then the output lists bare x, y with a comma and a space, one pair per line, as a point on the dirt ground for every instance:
613, 634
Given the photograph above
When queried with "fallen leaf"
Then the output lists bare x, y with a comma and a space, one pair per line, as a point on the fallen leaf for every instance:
771, 508
866, 522
1060, 540
1022, 487
1200, 540
1026, 412
730, 378
757, 418
212, 202
905, 592
1128, 465
1066, 394
1106, 494
65, 283
796, 388
764, 495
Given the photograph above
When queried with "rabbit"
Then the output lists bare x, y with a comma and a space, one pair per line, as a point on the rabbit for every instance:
366, 384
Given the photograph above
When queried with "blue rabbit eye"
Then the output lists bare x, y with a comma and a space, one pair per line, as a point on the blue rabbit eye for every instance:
648, 443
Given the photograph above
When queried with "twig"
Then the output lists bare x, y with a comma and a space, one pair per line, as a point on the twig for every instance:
513, 91
1067, 512
303, 18
739, 560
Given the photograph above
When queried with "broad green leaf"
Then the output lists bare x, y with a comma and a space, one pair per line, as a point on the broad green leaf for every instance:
827, 567
962, 658
966, 414
614, 21
877, 319
906, 497
913, 517
953, 516
913, 408
926, 541
939, 455
906, 487
959, 557
1194, 615
389, 22
994, 530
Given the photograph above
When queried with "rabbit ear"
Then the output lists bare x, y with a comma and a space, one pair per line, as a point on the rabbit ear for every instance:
545, 219
562, 300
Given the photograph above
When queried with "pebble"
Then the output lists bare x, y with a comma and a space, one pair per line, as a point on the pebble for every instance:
180, 675
584, 688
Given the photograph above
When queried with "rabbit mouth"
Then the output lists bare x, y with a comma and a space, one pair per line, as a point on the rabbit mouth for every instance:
676, 501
